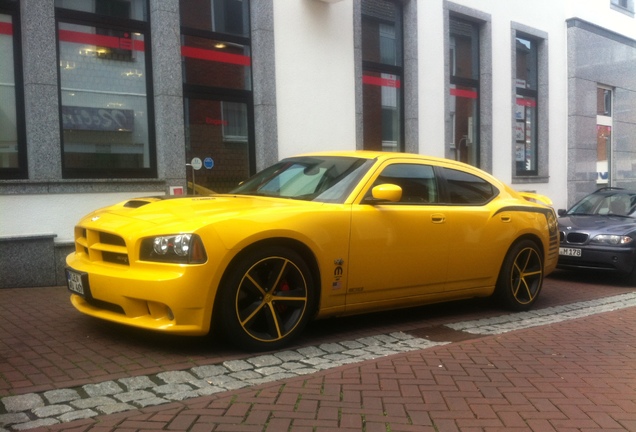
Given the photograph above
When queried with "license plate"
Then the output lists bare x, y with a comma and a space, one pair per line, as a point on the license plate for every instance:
570, 252
77, 282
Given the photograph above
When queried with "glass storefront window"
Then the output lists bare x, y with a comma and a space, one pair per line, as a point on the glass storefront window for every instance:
526, 134
219, 16
8, 117
464, 91
216, 63
526, 112
382, 75
217, 134
464, 112
127, 9
104, 98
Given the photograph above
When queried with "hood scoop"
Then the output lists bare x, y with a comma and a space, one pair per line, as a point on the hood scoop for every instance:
136, 203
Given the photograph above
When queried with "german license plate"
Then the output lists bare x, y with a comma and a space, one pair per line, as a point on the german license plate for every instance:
77, 282
570, 252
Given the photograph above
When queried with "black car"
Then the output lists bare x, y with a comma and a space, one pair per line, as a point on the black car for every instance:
599, 233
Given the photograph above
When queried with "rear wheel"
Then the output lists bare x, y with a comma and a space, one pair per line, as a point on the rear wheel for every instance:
521, 276
267, 299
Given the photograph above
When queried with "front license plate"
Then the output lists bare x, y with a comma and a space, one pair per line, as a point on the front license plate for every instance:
77, 282
570, 252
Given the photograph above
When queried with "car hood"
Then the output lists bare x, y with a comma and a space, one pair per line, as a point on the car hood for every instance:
185, 213
598, 223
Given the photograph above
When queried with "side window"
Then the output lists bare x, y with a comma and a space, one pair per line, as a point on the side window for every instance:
464, 188
417, 182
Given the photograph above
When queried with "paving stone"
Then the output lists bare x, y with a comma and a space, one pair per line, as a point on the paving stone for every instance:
115, 408
8, 419
168, 389
176, 377
51, 410
35, 424
289, 356
209, 371
22, 402
136, 383
134, 395
264, 360
60, 396
311, 351
92, 402
77, 415
237, 365
153, 401
103, 389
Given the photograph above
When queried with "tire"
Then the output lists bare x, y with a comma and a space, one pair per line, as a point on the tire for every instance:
267, 299
521, 276
630, 278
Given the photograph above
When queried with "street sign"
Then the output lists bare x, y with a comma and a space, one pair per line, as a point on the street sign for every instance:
196, 163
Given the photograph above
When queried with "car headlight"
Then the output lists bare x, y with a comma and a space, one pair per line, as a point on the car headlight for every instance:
612, 239
176, 248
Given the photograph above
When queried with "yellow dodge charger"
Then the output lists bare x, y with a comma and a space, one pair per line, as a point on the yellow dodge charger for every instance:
313, 236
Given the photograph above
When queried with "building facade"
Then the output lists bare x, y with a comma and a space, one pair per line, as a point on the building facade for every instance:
104, 100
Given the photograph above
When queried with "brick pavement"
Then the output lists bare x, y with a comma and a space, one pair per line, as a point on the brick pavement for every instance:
46, 345
576, 375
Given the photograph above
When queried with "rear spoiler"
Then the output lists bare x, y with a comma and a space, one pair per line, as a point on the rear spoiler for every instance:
538, 198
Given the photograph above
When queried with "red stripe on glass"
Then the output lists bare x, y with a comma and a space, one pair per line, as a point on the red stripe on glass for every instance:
6, 28
216, 56
470, 94
382, 82
526, 102
101, 40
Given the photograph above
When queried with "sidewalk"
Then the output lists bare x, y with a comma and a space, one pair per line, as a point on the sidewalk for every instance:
578, 375
569, 364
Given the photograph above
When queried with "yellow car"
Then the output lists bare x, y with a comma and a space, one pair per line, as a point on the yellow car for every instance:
313, 236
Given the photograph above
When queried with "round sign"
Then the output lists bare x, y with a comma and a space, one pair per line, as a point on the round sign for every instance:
196, 163
208, 162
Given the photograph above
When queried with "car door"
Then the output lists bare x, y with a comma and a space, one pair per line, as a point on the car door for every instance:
479, 234
399, 250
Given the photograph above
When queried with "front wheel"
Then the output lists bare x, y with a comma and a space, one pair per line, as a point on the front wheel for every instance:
267, 299
521, 276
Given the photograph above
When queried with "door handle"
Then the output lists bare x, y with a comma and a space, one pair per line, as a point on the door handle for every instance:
506, 218
438, 218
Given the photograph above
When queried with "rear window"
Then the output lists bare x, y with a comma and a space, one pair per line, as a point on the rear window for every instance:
465, 188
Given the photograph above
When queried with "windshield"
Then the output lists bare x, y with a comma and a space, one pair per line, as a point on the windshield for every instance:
614, 204
309, 178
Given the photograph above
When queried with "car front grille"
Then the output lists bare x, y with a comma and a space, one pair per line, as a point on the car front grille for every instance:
574, 237
101, 246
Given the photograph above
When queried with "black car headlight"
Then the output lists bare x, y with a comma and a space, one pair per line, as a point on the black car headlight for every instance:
176, 248
611, 239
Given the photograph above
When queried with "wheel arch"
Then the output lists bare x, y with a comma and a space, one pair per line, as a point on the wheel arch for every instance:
297, 246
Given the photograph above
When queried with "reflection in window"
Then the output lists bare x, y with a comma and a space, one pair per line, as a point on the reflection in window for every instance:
9, 142
104, 101
464, 91
382, 75
133, 9
217, 63
465, 188
526, 112
219, 16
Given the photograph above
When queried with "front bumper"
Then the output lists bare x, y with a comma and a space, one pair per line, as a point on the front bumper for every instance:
621, 260
170, 298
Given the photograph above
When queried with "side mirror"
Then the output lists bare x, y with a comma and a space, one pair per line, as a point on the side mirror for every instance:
561, 212
387, 192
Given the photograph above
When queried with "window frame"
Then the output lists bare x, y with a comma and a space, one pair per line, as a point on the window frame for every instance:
12, 8
71, 16
541, 173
